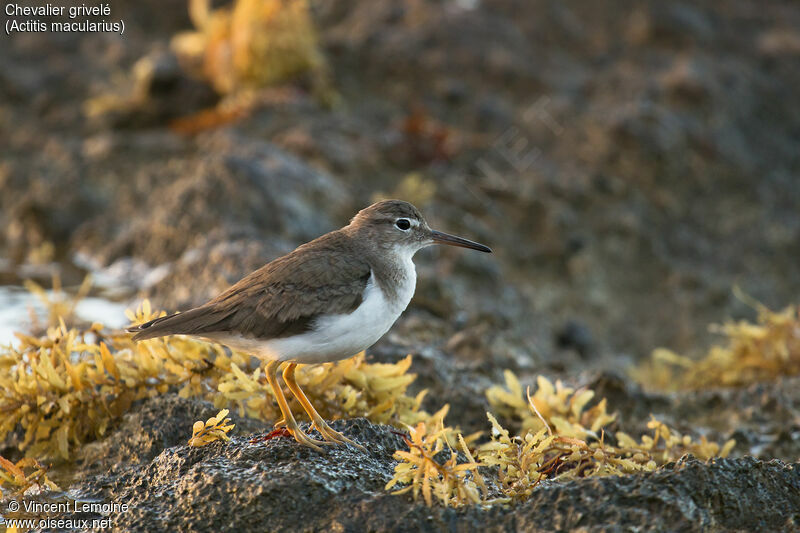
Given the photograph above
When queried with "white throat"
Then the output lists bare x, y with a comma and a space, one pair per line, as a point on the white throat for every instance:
407, 282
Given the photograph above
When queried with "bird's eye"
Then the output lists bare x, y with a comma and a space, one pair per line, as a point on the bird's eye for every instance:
403, 224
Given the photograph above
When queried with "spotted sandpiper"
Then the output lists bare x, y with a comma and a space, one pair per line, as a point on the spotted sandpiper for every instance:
327, 300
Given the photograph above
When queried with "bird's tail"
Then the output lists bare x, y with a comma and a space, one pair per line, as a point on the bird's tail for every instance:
177, 324
151, 329
196, 321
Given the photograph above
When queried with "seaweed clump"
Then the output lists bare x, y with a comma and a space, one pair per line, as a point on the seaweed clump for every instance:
556, 405
253, 44
57, 303
559, 438
348, 388
215, 428
451, 482
15, 476
752, 352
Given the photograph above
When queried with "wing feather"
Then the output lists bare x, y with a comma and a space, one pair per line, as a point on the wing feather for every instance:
282, 298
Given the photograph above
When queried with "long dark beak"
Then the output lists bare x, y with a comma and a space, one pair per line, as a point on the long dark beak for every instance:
445, 238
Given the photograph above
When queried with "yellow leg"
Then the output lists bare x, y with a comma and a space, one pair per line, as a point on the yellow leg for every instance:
271, 371
324, 429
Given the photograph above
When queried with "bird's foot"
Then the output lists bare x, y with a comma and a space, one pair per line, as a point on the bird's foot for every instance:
332, 436
301, 437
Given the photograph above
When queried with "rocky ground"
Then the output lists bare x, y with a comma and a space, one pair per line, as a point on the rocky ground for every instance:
629, 163
253, 485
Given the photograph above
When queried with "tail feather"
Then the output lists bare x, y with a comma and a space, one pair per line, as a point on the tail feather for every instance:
194, 321
149, 330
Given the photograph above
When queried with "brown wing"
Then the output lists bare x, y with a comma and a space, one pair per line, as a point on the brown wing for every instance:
278, 300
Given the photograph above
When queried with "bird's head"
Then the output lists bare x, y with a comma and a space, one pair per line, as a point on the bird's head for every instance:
400, 226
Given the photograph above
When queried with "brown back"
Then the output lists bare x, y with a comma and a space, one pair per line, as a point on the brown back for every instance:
280, 299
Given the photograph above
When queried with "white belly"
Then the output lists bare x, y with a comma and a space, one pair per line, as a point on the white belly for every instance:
335, 337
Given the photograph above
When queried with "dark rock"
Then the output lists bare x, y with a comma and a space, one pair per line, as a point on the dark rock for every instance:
280, 485
252, 487
214, 217
148, 429
574, 334
274, 484
680, 22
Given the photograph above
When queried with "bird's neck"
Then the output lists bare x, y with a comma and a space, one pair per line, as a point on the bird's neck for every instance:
394, 272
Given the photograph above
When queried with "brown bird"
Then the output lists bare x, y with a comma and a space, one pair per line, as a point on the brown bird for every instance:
327, 300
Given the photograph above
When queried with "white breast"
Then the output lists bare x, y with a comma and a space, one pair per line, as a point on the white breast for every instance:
335, 337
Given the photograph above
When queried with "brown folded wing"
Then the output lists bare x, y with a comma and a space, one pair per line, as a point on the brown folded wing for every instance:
281, 299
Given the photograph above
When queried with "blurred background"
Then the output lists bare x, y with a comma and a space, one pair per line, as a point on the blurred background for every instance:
630, 163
